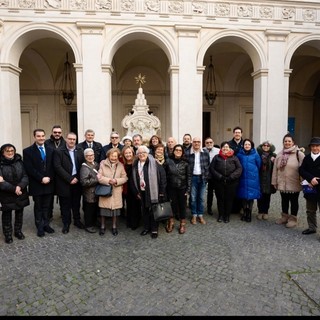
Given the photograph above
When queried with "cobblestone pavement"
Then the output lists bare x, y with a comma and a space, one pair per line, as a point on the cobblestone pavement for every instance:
240, 268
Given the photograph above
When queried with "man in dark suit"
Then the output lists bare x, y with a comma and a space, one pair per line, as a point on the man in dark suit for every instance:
66, 163
90, 143
38, 161
114, 143
55, 141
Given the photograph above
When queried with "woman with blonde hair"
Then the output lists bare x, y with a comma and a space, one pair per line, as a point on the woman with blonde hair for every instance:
111, 172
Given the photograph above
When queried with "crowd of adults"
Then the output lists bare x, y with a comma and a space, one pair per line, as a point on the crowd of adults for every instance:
144, 173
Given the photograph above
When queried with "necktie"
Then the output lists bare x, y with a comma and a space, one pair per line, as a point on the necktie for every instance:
43, 155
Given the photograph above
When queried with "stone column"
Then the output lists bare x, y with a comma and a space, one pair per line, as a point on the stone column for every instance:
189, 86
277, 88
10, 106
94, 96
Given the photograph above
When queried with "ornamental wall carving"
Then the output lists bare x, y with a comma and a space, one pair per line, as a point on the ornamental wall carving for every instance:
278, 11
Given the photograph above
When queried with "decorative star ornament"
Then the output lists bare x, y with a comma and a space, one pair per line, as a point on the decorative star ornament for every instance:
140, 79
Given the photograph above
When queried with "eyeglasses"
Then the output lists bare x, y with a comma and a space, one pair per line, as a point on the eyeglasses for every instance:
197, 141
209, 141
57, 132
265, 145
89, 155
140, 153
114, 137
180, 150
9, 151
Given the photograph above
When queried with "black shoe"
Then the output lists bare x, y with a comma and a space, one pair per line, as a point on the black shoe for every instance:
9, 239
154, 235
19, 235
65, 229
226, 220
210, 212
40, 233
308, 231
102, 231
144, 232
91, 229
219, 219
79, 225
114, 231
48, 229
134, 228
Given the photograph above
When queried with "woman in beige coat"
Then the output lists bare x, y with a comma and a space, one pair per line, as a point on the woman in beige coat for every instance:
286, 179
111, 172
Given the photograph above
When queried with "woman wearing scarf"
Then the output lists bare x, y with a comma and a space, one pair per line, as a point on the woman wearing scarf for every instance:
225, 169
148, 184
13, 191
267, 154
249, 185
286, 179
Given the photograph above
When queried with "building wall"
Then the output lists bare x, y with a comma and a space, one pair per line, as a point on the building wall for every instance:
256, 49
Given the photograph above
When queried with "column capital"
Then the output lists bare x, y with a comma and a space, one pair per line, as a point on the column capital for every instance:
11, 68
187, 31
277, 35
91, 27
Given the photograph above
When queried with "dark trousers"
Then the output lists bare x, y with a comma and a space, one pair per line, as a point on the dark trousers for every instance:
7, 222
210, 189
148, 219
225, 194
90, 215
312, 206
264, 203
290, 198
71, 204
178, 202
133, 214
41, 210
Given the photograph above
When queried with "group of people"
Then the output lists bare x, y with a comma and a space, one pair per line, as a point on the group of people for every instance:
144, 173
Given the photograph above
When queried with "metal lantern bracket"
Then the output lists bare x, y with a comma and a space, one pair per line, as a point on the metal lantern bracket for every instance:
211, 91
67, 83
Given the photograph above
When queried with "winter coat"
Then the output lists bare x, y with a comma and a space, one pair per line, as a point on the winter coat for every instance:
178, 174
266, 170
287, 179
89, 180
14, 174
227, 171
115, 201
62, 164
308, 170
249, 184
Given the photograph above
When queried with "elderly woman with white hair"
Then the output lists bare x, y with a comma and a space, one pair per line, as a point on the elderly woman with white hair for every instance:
148, 184
89, 180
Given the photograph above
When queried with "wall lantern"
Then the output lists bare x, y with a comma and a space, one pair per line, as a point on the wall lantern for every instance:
211, 90
66, 86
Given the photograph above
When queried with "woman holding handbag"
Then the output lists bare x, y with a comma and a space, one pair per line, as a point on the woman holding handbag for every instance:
111, 172
148, 184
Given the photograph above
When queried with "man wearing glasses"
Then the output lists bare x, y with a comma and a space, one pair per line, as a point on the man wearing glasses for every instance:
114, 143
67, 162
56, 141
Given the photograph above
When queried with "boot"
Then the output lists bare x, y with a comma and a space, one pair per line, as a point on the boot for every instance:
170, 225
182, 228
284, 219
292, 221
248, 215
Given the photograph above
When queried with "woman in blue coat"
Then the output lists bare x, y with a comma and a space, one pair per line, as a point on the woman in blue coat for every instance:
249, 185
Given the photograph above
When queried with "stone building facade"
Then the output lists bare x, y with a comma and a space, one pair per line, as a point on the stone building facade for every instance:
266, 56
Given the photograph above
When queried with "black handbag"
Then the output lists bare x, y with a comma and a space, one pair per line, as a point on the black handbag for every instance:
103, 190
162, 211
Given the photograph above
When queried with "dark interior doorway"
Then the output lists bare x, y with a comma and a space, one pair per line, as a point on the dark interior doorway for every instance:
206, 125
73, 123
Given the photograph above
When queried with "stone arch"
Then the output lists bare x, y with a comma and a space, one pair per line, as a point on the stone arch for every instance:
117, 39
19, 39
253, 46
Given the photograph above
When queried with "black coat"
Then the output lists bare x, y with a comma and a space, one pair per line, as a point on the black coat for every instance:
37, 169
62, 164
178, 174
14, 174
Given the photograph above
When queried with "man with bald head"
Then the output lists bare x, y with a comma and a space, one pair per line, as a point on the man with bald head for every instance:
171, 142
